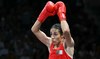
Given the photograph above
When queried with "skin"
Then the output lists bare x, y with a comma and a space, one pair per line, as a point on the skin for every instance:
67, 41
56, 36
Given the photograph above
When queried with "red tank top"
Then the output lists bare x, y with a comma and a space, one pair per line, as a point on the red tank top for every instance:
58, 53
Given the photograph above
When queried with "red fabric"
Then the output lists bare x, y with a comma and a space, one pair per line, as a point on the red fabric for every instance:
48, 10
53, 53
61, 10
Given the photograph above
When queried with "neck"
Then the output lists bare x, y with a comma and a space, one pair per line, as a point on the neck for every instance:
57, 45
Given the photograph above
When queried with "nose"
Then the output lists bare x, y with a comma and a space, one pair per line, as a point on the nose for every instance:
53, 39
52, 36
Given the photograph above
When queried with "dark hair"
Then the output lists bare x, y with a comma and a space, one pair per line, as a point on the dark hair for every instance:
57, 26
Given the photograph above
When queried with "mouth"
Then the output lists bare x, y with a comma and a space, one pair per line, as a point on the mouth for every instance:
54, 42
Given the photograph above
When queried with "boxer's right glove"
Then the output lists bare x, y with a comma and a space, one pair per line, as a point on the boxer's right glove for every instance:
61, 10
48, 10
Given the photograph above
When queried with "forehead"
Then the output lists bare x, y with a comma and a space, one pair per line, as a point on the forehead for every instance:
54, 30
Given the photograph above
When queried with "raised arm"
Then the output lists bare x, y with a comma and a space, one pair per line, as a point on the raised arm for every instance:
48, 10
69, 42
64, 25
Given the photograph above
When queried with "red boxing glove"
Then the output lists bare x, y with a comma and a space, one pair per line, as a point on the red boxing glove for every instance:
61, 10
48, 10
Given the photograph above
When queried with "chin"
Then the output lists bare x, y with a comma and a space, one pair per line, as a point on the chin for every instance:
55, 43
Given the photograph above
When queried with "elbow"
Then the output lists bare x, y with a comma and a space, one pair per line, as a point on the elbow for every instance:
33, 30
66, 31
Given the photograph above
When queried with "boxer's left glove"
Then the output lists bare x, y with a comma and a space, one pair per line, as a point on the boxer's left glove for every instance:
48, 10
61, 10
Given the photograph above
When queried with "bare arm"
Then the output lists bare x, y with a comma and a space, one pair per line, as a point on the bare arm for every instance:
69, 42
66, 32
39, 34
64, 25
68, 39
41, 18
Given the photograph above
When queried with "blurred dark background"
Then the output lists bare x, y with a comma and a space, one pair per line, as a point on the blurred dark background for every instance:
17, 17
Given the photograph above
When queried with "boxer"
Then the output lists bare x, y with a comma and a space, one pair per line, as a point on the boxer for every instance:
60, 44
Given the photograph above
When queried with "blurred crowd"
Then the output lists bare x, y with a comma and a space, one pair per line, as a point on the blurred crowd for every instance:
18, 42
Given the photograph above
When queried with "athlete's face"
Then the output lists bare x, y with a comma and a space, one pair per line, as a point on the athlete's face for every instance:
55, 35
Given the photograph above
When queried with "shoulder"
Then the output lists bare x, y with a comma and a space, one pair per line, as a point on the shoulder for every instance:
69, 50
49, 42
